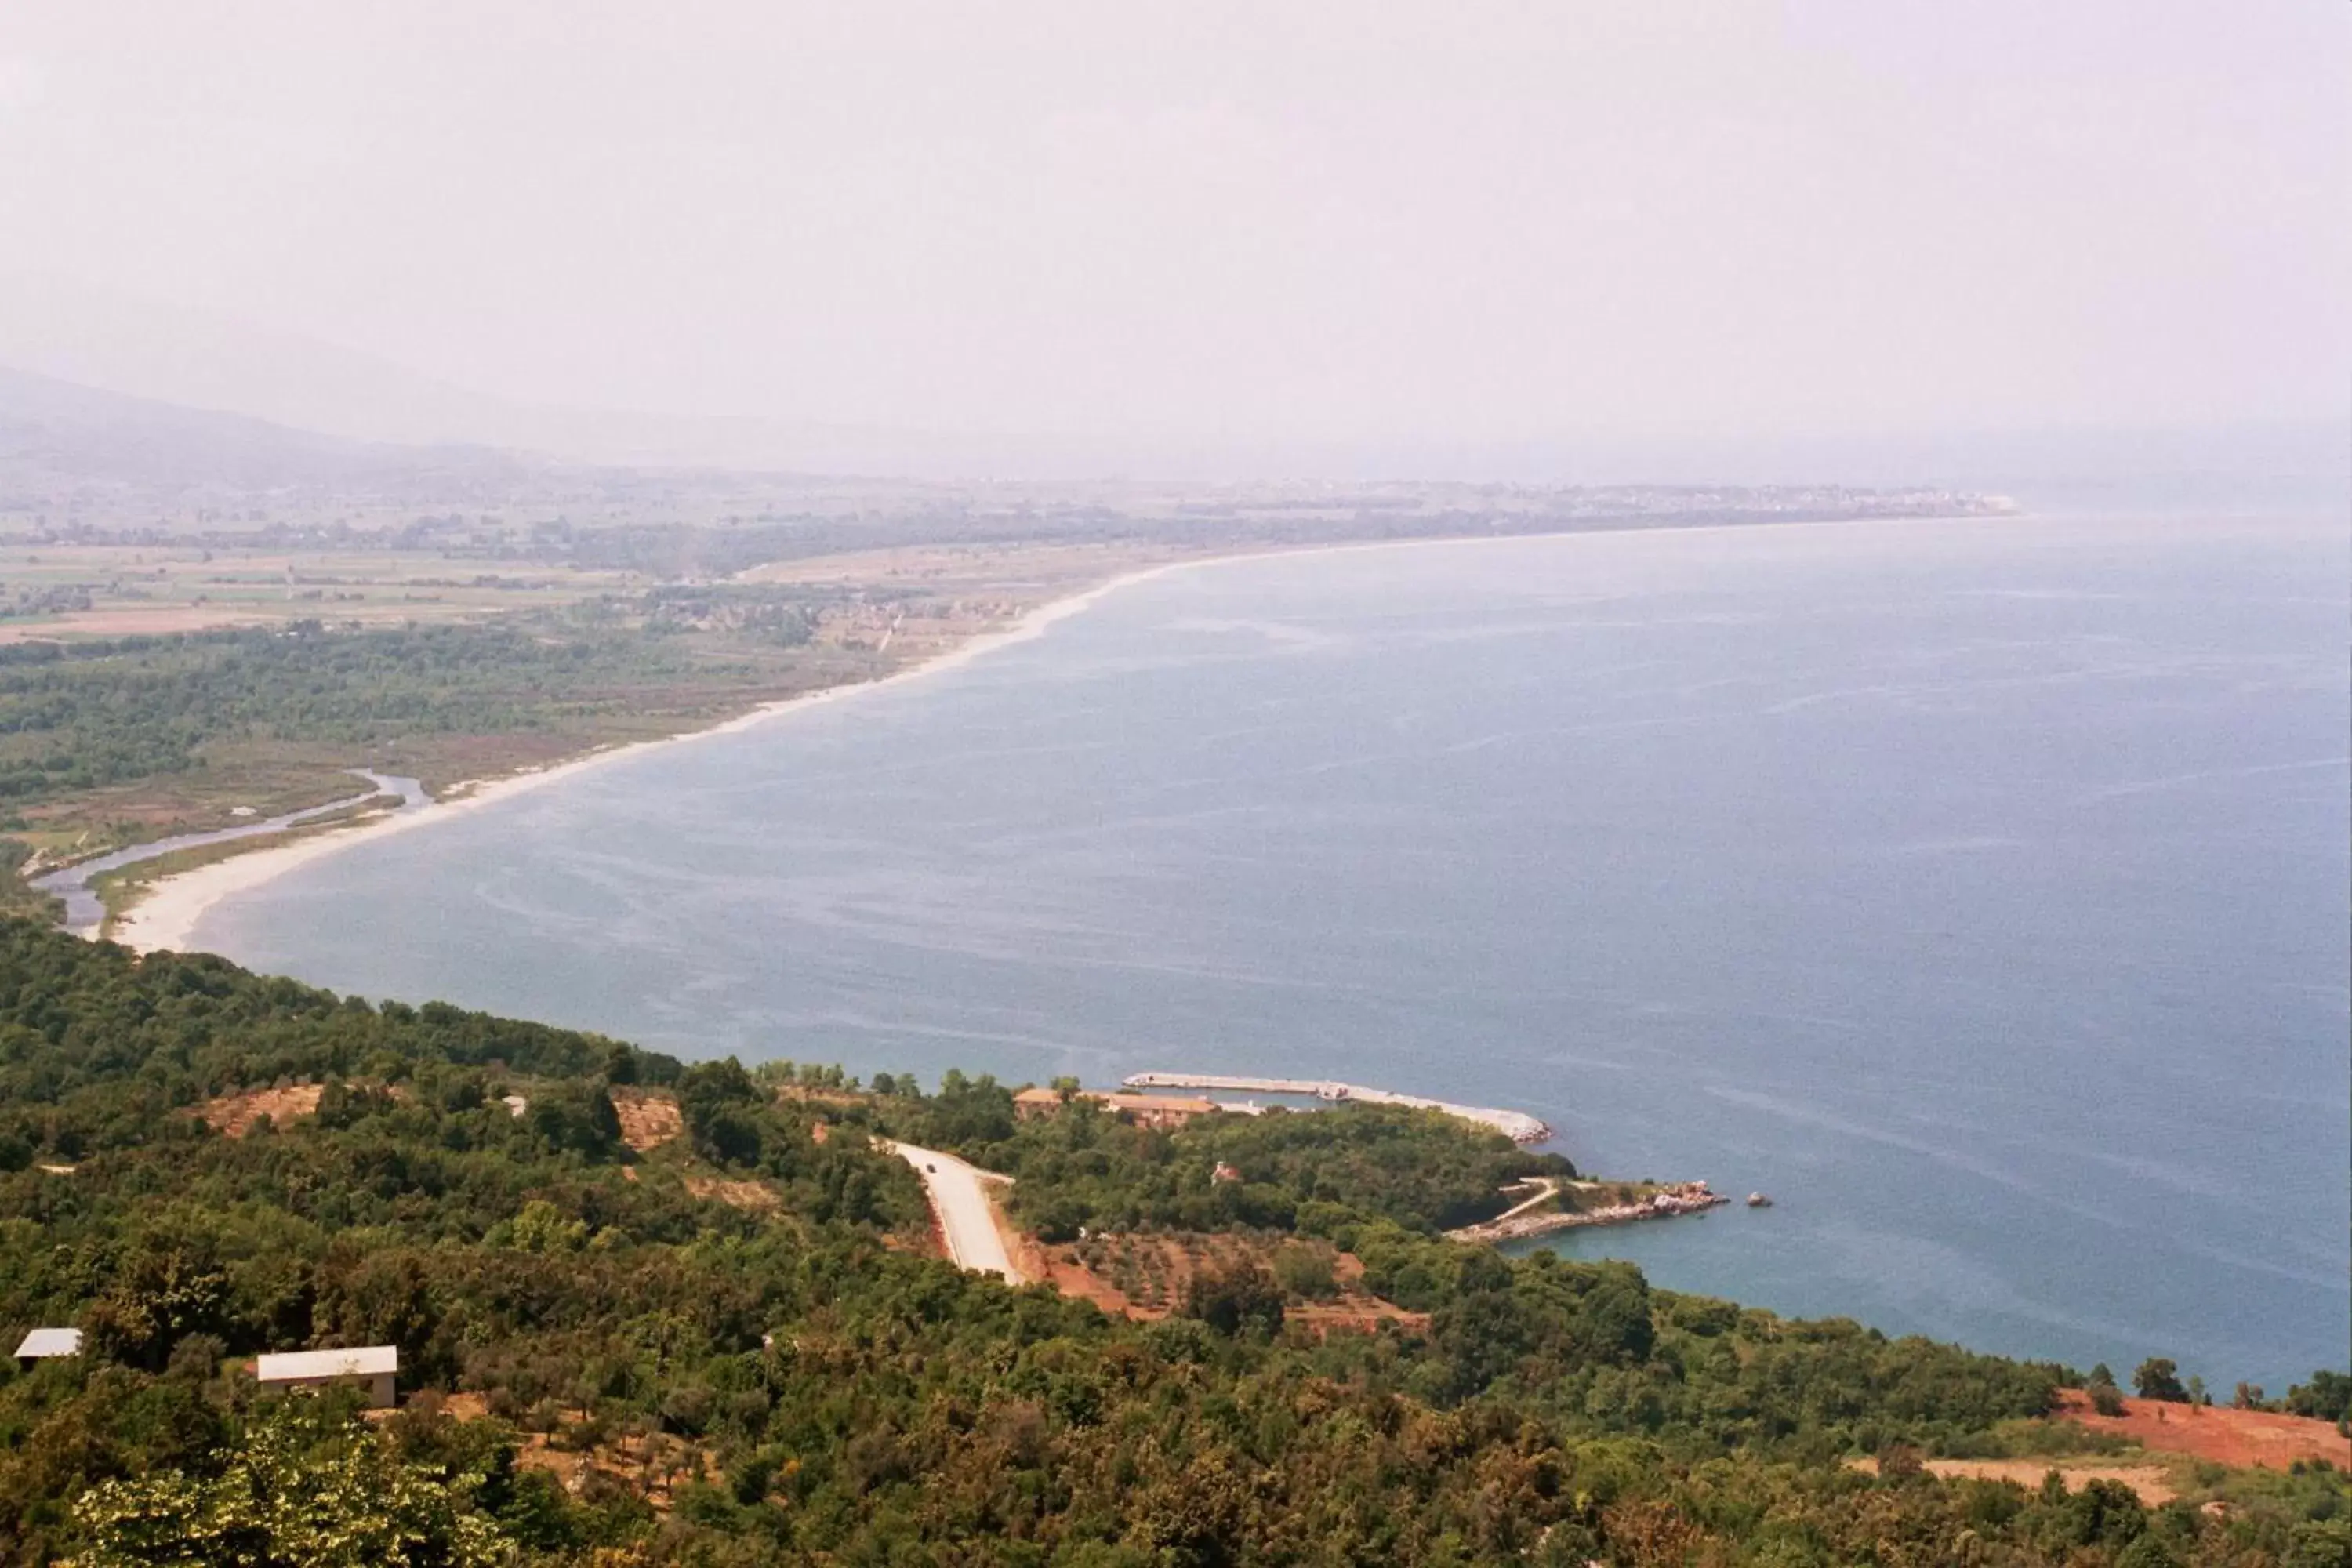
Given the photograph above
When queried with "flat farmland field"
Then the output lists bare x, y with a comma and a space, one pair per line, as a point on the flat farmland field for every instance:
52, 591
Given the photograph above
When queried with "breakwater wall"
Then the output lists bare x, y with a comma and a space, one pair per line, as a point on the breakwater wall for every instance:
1681, 1198
1516, 1125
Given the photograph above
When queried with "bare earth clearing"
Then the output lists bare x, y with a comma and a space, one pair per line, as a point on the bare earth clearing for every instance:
234, 1114
2221, 1435
648, 1120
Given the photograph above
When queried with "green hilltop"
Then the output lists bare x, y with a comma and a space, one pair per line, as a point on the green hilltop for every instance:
728, 1345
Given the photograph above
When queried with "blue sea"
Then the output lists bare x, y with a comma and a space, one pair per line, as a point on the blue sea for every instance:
1977, 889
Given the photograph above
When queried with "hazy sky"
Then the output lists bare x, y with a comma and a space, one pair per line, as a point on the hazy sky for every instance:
1264, 220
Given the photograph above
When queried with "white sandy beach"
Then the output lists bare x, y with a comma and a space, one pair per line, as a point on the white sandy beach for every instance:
167, 916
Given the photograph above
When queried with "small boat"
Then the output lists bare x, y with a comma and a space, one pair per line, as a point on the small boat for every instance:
1759, 1201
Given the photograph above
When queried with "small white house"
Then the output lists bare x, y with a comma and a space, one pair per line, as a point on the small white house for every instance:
376, 1365
43, 1344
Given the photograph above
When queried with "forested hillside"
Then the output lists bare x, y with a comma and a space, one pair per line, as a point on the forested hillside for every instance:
730, 1346
75, 716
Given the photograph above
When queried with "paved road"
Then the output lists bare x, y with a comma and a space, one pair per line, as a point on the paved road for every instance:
959, 1199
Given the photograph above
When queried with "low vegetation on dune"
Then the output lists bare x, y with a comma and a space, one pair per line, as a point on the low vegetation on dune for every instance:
724, 1344
119, 740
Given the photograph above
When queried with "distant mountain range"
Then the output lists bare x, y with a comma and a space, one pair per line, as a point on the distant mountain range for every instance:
335, 410
95, 339
56, 437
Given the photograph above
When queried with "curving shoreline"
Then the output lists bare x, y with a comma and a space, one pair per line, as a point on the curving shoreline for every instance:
166, 917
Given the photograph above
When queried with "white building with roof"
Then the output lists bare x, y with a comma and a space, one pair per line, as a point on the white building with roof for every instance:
43, 1344
376, 1365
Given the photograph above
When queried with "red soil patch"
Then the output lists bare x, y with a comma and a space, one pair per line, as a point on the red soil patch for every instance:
234, 1114
1070, 1277
2223, 1437
649, 1118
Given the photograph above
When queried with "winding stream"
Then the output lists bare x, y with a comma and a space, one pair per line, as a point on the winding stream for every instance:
85, 912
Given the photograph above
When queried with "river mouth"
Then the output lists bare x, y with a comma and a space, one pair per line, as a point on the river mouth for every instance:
85, 913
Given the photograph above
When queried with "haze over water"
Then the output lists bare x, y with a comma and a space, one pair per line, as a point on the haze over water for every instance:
1976, 888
